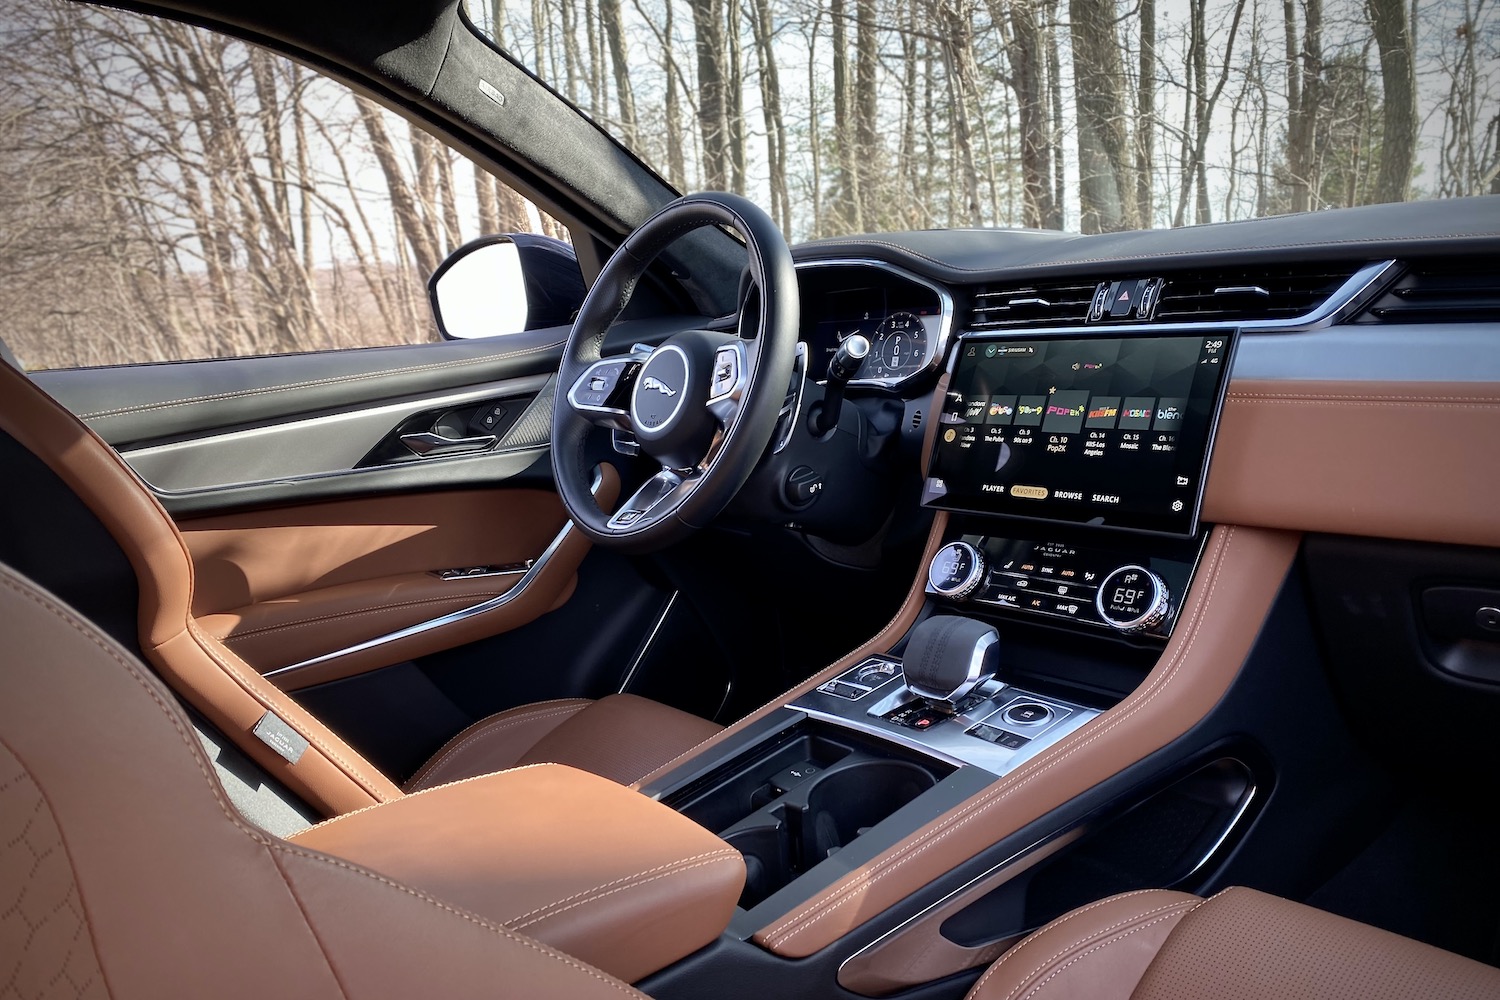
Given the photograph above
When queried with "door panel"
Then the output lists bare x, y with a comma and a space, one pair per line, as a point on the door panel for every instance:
321, 592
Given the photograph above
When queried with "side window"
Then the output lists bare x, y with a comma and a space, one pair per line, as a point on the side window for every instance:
168, 193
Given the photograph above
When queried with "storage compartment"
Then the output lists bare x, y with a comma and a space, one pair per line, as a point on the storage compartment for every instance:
796, 801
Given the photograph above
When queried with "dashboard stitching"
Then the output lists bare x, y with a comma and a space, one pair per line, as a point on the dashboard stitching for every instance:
1031, 771
246, 393
1160, 255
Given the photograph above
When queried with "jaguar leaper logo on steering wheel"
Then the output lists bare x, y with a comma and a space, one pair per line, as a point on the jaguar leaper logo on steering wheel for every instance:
651, 382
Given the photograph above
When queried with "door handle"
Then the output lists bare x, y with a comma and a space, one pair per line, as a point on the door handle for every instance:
432, 445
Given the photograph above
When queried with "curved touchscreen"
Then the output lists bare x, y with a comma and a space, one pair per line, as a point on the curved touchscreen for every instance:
1111, 431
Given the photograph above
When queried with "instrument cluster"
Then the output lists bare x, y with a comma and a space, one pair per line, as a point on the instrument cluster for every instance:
906, 319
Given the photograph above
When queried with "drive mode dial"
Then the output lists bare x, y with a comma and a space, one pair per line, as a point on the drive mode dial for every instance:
956, 571
1133, 599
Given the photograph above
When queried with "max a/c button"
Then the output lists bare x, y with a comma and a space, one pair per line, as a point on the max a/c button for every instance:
1029, 492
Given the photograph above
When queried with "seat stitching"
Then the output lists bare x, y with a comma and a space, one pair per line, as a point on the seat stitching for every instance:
353, 613
1031, 938
195, 750
1098, 933
411, 795
1084, 954
273, 703
62, 836
302, 909
639, 878
1018, 779
499, 929
493, 726
331, 380
64, 615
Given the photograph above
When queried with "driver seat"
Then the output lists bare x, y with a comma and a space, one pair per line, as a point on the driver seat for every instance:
621, 737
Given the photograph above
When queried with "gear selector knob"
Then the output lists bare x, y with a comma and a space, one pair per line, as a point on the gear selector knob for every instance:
948, 656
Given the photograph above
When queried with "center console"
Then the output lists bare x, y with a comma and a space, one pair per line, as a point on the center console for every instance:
1066, 474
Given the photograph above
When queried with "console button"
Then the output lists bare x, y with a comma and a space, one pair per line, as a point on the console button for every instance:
1010, 741
1028, 713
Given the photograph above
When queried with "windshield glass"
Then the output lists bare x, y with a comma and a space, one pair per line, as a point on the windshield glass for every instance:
1085, 115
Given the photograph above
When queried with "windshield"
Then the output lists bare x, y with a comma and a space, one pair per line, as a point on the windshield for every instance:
1085, 115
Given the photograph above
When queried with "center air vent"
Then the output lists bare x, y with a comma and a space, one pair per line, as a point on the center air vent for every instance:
1220, 295
1446, 290
1259, 293
1052, 304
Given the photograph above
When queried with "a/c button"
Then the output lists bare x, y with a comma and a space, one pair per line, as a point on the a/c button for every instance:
1029, 492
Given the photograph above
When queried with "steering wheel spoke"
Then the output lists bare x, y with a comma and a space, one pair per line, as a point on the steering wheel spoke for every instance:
601, 394
731, 377
651, 499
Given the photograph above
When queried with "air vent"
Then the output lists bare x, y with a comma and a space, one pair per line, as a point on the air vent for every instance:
1241, 294
916, 419
1448, 290
1058, 304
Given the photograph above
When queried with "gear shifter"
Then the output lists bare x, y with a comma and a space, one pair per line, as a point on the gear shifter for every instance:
948, 656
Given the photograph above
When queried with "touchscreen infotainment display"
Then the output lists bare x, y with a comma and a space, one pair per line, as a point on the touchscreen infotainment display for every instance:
1111, 431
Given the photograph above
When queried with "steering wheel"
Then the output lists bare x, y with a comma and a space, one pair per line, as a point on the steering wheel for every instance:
703, 404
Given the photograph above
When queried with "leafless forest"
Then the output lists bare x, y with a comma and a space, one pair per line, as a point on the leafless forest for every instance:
169, 193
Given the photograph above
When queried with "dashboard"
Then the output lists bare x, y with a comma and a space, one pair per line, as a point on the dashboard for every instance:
1082, 401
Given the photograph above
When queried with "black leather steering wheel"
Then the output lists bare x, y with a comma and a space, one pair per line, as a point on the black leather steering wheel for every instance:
703, 404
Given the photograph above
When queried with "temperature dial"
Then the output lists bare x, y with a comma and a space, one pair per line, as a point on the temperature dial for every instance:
1133, 599
956, 571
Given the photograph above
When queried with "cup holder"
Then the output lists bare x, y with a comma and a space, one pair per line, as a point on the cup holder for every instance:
815, 820
850, 800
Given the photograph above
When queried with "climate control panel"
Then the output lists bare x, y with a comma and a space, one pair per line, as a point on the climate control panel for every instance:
1123, 589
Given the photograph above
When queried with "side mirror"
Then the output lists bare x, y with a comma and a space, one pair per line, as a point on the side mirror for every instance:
505, 284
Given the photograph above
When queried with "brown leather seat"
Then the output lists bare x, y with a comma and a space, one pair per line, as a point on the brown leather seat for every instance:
126, 873
620, 737
1238, 945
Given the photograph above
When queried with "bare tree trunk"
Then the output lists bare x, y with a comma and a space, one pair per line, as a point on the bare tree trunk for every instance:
708, 27
847, 202
1145, 116
614, 35
1106, 185
1304, 90
770, 101
403, 201
1054, 94
735, 104
1398, 137
958, 51
1027, 55
867, 161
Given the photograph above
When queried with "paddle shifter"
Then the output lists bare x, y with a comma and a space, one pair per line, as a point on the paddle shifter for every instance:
947, 657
